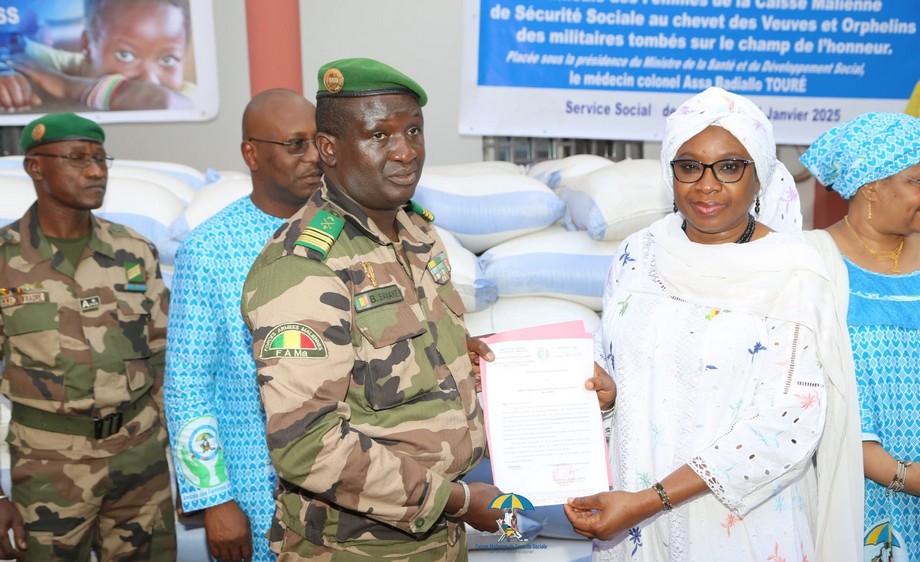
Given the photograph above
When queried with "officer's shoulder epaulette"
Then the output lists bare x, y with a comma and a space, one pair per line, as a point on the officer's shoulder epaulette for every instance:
321, 232
421, 211
119, 230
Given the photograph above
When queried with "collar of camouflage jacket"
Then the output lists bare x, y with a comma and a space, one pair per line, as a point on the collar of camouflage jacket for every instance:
413, 228
36, 248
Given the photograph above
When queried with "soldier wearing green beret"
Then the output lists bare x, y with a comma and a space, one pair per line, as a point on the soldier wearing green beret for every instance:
360, 345
83, 332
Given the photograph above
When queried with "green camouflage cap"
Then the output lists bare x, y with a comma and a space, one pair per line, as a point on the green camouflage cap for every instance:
365, 77
57, 127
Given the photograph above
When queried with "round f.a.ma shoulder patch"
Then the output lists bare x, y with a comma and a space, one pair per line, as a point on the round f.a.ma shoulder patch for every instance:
293, 341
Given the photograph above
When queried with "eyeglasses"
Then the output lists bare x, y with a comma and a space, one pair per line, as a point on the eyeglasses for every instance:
295, 147
729, 170
81, 160
910, 179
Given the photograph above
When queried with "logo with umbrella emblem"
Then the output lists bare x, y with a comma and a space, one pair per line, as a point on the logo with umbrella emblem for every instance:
200, 454
883, 544
508, 524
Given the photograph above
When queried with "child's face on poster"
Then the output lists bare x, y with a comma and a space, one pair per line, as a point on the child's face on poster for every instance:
142, 40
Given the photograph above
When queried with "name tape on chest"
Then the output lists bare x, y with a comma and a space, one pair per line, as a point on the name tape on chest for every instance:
22, 298
377, 297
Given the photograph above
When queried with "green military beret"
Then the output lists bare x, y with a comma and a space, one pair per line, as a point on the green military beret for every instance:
365, 77
56, 127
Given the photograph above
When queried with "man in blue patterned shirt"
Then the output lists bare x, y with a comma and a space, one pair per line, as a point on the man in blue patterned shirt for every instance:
216, 421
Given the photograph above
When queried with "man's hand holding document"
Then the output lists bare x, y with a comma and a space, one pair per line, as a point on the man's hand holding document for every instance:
546, 438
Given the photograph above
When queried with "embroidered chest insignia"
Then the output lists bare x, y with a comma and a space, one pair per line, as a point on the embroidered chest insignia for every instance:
135, 277
293, 341
369, 272
439, 267
89, 303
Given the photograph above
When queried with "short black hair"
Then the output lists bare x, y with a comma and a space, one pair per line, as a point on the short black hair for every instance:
334, 115
93, 11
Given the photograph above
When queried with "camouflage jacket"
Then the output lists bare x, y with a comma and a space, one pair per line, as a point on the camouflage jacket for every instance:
84, 341
363, 372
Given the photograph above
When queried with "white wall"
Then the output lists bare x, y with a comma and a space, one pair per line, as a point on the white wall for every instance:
422, 38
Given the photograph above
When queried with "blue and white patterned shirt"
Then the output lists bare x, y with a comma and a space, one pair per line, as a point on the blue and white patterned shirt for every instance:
215, 416
884, 320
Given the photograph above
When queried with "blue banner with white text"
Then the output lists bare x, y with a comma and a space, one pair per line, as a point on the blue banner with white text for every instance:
615, 68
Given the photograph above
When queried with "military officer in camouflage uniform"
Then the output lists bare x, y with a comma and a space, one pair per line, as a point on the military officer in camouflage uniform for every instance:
83, 329
360, 345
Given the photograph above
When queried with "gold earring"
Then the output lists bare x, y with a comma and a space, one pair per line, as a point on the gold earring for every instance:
869, 213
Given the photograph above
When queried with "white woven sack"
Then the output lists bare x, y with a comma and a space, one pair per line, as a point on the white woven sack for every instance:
178, 187
513, 313
613, 202
17, 194
145, 207
466, 274
474, 168
483, 210
167, 271
229, 174
193, 177
552, 262
559, 172
208, 201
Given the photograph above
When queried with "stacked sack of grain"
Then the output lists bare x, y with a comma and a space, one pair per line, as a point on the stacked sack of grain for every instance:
546, 232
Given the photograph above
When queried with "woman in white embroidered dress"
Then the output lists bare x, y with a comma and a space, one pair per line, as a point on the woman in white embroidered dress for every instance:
726, 351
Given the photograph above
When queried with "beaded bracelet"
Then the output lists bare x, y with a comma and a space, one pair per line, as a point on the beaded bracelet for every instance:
663, 496
466, 501
897, 483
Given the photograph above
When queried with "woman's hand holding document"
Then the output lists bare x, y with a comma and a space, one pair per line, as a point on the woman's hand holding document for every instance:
546, 438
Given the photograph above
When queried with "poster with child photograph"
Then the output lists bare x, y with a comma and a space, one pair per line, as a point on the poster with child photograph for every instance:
117, 60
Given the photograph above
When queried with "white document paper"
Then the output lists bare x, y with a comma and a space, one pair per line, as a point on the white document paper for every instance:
546, 436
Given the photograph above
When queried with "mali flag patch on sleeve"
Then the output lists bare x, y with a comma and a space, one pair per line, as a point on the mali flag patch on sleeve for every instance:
293, 341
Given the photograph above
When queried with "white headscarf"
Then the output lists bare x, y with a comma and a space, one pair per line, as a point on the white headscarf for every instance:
780, 208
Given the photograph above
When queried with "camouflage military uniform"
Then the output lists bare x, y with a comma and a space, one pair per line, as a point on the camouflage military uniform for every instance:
80, 344
367, 386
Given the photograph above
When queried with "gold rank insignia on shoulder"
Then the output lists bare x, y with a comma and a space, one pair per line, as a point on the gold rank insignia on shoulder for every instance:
421, 211
321, 233
439, 266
